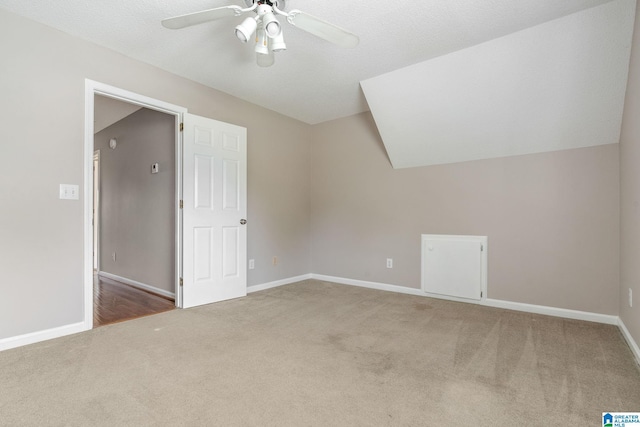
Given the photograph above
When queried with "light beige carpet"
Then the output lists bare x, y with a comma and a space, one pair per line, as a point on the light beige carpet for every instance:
321, 354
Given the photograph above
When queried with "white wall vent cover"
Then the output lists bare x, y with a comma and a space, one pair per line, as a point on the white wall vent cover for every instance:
455, 266
555, 86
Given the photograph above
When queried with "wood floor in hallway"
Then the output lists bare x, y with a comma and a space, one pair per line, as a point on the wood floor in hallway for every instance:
116, 302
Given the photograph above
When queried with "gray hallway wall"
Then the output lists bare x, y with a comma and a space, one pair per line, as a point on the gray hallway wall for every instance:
137, 208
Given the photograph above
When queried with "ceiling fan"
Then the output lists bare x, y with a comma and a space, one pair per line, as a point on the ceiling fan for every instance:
265, 25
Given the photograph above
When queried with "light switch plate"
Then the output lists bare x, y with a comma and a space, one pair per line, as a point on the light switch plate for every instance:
69, 192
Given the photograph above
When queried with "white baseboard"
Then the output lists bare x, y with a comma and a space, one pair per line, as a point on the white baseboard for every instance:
135, 284
552, 311
632, 343
275, 284
34, 337
508, 305
370, 285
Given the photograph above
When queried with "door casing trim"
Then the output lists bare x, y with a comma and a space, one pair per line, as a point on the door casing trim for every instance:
93, 88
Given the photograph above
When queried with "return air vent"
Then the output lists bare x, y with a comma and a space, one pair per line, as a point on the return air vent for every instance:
454, 266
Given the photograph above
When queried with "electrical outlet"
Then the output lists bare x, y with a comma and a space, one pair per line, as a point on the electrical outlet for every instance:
630, 297
113, 256
252, 264
69, 192
275, 260
389, 262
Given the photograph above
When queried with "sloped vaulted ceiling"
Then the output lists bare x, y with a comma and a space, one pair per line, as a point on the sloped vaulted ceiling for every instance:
554, 86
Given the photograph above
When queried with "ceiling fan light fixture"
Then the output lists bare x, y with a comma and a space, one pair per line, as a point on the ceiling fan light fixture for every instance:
271, 25
245, 30
277, 43
262, 42
265, 60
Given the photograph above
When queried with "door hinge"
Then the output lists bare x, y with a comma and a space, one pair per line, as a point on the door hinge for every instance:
181, 127
481, 248
480, 294
181, 204
181, 281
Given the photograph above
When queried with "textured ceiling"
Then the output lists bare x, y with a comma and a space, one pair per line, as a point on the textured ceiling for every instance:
313, 80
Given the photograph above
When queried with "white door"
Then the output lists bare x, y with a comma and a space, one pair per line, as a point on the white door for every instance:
214, 211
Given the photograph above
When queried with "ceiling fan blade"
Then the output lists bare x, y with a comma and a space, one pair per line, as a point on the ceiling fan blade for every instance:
196, 18
322, 29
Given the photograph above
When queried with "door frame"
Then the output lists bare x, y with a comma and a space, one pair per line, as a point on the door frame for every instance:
96, 210
93, 88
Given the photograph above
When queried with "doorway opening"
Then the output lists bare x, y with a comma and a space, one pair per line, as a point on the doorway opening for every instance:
133, 215
132, 188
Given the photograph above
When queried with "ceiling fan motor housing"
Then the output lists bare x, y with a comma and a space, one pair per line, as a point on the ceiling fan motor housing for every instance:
280, 4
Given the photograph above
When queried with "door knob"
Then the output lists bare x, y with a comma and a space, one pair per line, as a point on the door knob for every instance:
243, 221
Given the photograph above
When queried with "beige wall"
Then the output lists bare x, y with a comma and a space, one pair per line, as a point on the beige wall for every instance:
42, 82
552, 219
137, 208
630, 194
325, 193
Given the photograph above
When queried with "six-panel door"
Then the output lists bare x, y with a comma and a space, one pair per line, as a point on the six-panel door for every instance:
214, 205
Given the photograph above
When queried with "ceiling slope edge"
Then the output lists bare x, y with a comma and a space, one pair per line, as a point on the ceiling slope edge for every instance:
555, 86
